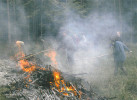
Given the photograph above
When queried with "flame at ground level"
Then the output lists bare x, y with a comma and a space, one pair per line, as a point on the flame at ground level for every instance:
26, 66
52, 55
59, 82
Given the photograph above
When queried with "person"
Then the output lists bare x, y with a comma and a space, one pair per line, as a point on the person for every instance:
119, 49
118, 36
68, 45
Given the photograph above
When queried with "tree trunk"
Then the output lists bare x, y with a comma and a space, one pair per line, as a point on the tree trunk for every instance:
28, 32
131, 22
15, 16
9, 34
120, 16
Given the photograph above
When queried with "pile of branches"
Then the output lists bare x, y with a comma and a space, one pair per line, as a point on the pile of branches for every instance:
37, 86
34, 86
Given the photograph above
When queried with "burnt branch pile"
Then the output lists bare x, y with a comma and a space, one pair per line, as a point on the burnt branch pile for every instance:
36, 81
40, 85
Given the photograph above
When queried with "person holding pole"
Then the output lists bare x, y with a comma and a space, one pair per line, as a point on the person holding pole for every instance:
119, 49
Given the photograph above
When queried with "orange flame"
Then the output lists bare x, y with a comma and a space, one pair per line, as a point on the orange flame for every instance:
52, 55
61, 85
59, 82
24, 64
20, 52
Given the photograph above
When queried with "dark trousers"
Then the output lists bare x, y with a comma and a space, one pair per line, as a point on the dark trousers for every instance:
119, 64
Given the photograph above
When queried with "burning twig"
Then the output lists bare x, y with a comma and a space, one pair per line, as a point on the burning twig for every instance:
28, 56
75, 90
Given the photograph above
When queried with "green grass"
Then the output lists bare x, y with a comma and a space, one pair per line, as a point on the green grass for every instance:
124, 87
3, 89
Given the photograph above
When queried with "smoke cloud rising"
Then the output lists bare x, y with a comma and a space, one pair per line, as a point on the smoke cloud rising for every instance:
86, 39
90, 39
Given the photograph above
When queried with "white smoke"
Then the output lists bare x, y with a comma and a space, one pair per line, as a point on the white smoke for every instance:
91, 51
15, 22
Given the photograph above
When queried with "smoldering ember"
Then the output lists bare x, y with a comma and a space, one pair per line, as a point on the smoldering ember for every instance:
68, 50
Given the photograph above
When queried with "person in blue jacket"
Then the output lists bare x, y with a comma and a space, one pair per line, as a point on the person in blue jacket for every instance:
119, 55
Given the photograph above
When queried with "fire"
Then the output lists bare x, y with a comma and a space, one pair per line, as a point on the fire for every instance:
61, 85
52, 55
24, 64
57, 75
20, 50
59, 82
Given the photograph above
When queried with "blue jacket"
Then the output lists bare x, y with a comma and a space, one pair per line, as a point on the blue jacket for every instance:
119, 51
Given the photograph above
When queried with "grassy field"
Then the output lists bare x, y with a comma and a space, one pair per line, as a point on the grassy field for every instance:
2, 97
123, 87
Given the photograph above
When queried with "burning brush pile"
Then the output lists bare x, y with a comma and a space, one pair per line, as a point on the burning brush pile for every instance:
36, 81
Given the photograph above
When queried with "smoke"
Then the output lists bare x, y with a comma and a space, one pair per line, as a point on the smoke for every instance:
87, 42
13, 18
13, 24
81, 42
